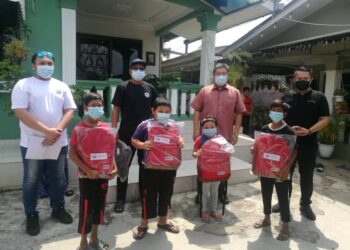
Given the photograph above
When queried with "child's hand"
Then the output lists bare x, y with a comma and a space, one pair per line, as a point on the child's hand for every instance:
93, 174
253, 150
197, 153
111, 174
181, 142
283, 175
147, 145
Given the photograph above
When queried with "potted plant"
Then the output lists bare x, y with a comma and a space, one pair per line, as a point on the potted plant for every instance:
327, 138
339, 94
260, 117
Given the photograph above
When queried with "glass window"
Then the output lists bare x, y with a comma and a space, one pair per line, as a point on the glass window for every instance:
99, 58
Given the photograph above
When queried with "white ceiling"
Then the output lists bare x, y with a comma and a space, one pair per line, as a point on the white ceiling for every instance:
158, 13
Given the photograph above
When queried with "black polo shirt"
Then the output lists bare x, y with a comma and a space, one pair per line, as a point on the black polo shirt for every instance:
306, 110
135, 102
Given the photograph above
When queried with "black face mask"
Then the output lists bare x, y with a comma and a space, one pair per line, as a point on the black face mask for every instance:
302, 85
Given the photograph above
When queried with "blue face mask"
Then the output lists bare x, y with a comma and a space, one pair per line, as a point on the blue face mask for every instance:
163, 118
276, 116
138, 75
45, 71
95, 112
209, 132
221, 80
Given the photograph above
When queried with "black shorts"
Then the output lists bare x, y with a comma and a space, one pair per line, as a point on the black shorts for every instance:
157, 192
92, 203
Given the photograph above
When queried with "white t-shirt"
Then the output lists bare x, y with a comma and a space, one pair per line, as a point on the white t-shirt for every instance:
45, 100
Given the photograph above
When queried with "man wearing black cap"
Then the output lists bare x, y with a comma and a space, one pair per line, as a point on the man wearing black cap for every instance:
133, 99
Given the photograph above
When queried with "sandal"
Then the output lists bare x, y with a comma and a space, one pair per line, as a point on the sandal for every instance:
205, 217
139, 233
216, 216
69, 192
262, 223
171, 228
283, 236
99, 245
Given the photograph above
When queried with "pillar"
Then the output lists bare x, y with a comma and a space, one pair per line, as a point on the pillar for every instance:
209, 23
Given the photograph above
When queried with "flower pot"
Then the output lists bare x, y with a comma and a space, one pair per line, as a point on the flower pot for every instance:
325, 150
339, 98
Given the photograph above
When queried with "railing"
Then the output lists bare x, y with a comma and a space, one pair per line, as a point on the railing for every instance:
181, 94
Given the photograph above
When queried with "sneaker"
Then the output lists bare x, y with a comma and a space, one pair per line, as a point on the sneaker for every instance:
308, 213
32, 226
119, 207
62, 216
275, 208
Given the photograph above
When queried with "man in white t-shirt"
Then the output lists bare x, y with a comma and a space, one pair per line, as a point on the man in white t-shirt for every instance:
45, 107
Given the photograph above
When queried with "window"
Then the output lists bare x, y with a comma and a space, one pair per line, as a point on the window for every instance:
346, 85
99, 58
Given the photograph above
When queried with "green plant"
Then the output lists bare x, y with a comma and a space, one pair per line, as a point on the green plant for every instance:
340, 92
16, 51
78, 96
329, 134
238, 62
160, 85
260, 117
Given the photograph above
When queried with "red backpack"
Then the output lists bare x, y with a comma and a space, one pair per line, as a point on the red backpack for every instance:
96, 147
213, 163
165, 153
274, 150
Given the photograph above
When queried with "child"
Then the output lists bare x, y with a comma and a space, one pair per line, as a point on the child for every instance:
93, 189
158, 184
209, 130
248, 104
278, 110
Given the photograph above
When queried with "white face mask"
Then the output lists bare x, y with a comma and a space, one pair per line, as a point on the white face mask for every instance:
45, 71
221, 80
138, 75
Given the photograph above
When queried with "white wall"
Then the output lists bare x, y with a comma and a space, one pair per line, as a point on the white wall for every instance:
69, 46
115, 28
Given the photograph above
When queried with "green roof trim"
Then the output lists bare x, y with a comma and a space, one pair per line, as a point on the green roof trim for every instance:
69, 4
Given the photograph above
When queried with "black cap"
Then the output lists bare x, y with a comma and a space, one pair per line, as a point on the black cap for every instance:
138, 61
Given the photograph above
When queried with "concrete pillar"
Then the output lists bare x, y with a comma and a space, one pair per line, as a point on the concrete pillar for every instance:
69, 34
333, 79
209, 22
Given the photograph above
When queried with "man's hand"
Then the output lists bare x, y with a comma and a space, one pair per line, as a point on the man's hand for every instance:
92, 174
197, 153
234, 138
53, 134
181, 142
300, 131
196, 134
147, 145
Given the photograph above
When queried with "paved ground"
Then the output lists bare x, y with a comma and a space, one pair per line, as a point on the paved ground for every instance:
330, 231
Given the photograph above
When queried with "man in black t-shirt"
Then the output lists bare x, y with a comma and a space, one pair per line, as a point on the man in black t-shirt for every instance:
132, 100
309, 113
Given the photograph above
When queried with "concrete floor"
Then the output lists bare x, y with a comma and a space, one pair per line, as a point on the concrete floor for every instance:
331, 202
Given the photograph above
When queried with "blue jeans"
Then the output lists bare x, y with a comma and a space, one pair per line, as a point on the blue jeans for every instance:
56, 179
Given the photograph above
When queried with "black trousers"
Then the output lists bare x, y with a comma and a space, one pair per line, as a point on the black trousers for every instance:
92, 203
307, 153
245, 124
125, 135
282, 188
157, 192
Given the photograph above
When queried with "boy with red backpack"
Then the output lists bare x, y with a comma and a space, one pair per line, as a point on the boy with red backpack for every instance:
92, 150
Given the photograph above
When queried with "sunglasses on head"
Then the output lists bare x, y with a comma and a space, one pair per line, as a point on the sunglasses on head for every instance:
44, 53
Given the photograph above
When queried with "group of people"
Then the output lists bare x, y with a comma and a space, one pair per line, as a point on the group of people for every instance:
45, 107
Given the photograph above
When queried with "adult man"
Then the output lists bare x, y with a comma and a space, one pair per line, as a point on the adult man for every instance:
133, 99
309, 113
44, 106
225, 103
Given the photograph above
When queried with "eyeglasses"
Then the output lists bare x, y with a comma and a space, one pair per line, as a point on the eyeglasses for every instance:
44, 53
138, 68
